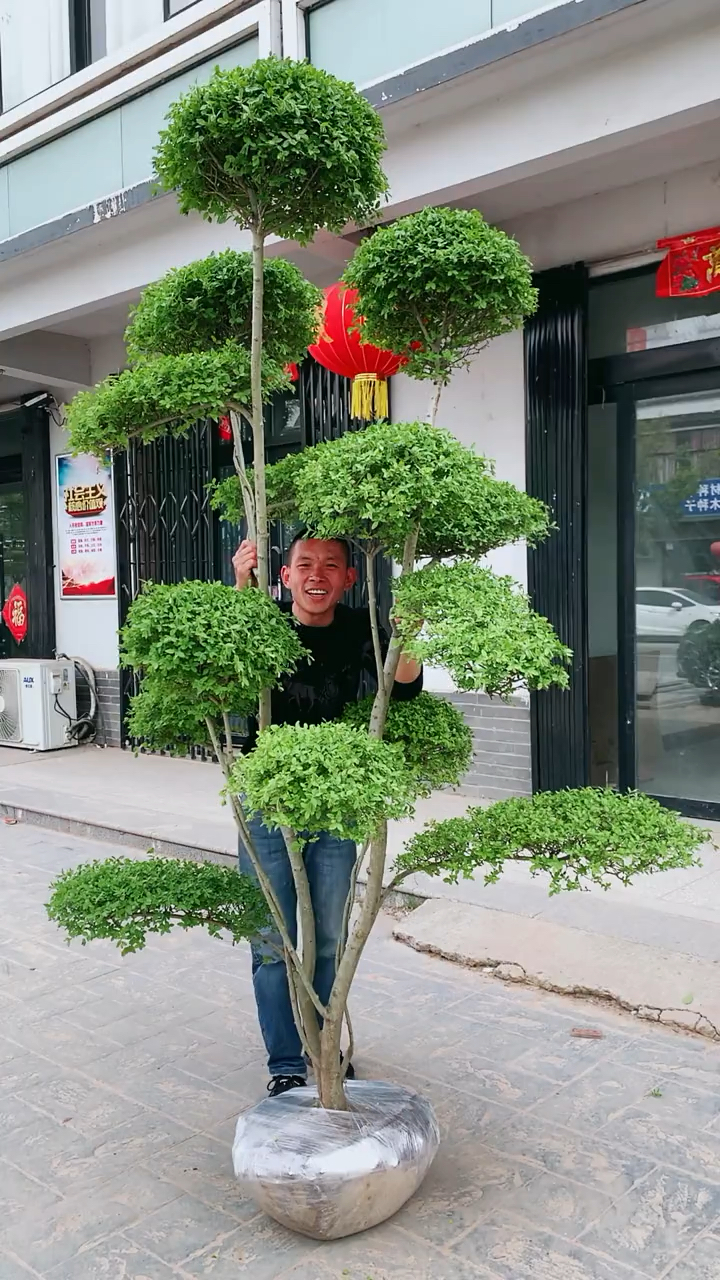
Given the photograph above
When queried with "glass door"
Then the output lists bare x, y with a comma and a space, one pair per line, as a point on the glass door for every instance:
668, 566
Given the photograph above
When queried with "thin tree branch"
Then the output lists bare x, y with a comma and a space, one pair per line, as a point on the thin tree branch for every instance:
248, 496
351, 1044
394, 653
435, 401
258, 423
374, 625
263, 881
228, 735
302, 892
369, 909
350, 902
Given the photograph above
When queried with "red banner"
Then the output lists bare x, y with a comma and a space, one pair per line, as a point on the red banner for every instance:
15, 614
692, 265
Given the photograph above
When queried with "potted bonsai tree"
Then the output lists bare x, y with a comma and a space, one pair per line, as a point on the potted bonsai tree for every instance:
283, 148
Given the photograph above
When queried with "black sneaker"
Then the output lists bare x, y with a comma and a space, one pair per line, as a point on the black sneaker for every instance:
283, 1084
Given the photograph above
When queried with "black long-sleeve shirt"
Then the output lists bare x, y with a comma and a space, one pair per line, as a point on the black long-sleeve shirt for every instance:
342, 653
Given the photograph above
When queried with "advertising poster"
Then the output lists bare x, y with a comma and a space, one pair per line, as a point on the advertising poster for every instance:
86, 527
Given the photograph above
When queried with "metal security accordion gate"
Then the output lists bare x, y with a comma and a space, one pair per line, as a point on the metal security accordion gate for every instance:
167, 530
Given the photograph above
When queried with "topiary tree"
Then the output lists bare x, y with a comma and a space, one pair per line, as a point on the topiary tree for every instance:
283, 148
438, 285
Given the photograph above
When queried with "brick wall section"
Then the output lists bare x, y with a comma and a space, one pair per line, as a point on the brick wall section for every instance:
501, 764
108, 691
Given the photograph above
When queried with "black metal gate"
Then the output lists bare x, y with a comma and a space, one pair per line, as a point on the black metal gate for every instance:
167, 531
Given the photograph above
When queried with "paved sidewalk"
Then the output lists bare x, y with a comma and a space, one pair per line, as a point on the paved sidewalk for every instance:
121, 1079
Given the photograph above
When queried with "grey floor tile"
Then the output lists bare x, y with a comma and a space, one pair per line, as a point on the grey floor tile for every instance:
13, 1269
658, 1136
259, 1251
15, 1114
566, 1205
182, 1228
597, 1097
20, 1193
701, 1263
656, 1221
601, 1164
46, 1239
89, 1108
115, 1258
563, 1058
59, 1040
24, 1071
185, 1098
202, 1166
388, 1253
683, 1058
512, 1250
479, 1075
467, 1182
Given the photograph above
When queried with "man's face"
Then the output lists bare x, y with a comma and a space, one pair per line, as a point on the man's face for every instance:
317, 576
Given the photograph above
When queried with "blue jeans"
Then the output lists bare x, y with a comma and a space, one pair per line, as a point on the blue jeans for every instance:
329, 862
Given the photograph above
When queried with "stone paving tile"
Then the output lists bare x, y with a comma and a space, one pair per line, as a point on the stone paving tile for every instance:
18, 1192
656, 1221
660, 1138
597, 1097
202, 1166
387, 1253
121, 1081
513, 1251
588, 1161
701, 1263
46, 1239
72, 1099
467, 1182
181, 1229
259, 1251
179, 1095
10, 1269
116, 1258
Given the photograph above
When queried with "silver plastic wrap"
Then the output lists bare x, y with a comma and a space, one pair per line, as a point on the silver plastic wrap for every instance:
329, 1174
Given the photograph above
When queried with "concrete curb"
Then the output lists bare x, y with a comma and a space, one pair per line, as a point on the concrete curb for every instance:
163, 847
667, 987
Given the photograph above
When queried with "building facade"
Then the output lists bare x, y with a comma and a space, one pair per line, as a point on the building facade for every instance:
587, 129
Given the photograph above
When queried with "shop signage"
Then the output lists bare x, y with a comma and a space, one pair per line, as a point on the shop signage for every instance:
706, 501
15, 614
85, 527
692, 265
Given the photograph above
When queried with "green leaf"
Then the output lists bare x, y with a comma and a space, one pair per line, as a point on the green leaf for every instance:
125, 899
324, 777
202, 649
435, 740
208, 303
480, 627
587, 836
167, 394
437, 285
279, 142
379, 484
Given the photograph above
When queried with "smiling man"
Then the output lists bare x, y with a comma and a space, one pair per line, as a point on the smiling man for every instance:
339, 639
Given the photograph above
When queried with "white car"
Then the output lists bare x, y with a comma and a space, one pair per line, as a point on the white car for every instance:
668, 612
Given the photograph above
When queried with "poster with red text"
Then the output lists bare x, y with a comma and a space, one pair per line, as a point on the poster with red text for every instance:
86, 527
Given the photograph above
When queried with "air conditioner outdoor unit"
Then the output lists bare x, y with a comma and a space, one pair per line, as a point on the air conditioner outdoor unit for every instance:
37, 703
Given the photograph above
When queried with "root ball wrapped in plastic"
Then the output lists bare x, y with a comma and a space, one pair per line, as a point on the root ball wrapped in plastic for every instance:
328, 1174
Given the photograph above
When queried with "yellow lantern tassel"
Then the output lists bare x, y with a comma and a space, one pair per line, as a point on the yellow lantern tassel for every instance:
369, 397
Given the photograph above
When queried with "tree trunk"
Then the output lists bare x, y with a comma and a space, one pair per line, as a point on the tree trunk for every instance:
258, 424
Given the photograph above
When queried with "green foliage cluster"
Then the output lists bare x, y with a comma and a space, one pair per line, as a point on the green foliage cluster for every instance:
587, 836
126, 899
324, 777
698, 658
437, 285
435, 740
381, 483
281, 145
207, 303
165, 396
281, 484
480, 627
202, 649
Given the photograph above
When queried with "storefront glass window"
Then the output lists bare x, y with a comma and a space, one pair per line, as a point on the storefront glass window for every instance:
677, 562
626, 315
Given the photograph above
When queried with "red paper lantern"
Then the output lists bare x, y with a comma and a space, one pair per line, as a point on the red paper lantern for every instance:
292, 371
15, 614
341, 350
224, 428
715, 550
